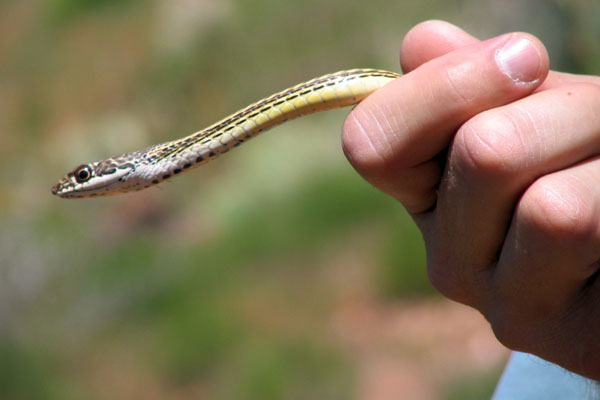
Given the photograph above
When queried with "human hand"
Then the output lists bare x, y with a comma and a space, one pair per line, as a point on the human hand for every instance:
496, 158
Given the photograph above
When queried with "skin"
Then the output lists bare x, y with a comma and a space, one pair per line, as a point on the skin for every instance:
497, 161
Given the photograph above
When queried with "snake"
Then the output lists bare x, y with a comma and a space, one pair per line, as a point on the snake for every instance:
141, 169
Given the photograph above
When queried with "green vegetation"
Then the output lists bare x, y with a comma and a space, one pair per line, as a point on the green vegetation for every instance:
474, 387
230, 282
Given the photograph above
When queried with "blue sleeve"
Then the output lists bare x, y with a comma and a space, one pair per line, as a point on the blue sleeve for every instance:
529, 377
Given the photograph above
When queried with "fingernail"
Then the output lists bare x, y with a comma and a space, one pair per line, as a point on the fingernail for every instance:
520, 60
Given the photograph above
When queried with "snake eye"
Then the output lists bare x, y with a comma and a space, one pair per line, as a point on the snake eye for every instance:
83, 173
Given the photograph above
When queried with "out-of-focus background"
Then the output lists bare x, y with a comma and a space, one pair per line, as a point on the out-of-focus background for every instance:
273, 272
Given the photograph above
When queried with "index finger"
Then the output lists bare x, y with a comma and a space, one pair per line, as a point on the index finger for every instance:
434, 38
413, 119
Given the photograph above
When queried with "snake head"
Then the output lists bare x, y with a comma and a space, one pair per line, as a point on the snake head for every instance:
101, 178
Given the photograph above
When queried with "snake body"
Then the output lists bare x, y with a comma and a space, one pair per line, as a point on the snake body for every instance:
141, 169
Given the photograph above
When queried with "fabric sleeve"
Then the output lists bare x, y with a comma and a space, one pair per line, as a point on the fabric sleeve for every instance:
530, 377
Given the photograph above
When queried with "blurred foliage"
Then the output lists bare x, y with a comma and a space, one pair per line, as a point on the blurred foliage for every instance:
65, 11
226, 283
474, 387
22, 374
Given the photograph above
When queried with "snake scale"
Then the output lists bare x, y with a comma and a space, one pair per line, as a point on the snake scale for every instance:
138, 170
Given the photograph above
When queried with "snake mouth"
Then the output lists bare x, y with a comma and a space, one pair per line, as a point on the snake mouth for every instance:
64, 188
84, 193
56, 189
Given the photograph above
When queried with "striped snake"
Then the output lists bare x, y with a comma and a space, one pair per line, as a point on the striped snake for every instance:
141, 169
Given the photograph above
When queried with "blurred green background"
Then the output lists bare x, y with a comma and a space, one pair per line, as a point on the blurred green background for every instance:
273, 272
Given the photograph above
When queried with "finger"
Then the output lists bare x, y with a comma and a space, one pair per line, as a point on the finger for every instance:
429, 40
434, 38
553, 243
544, 278
557, 79
495, 157
404, 125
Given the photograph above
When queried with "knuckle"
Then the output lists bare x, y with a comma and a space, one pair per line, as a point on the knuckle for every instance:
513, 322
447, 279
504, 328
524, 328
441, 280
559, 208
455, 88
490, 144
